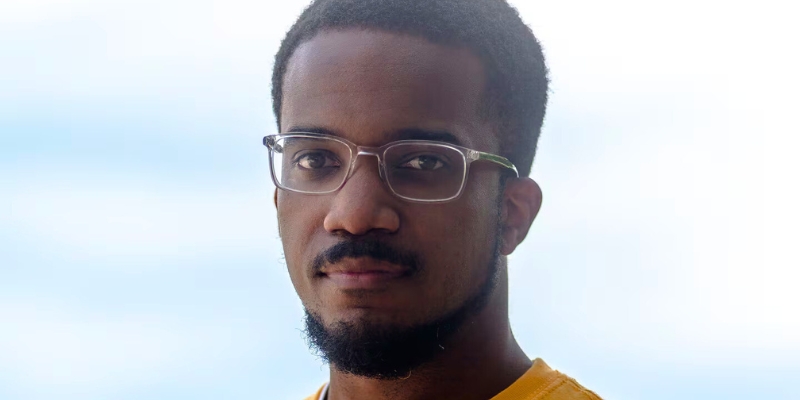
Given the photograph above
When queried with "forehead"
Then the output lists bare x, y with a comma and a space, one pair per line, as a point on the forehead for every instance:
366, 85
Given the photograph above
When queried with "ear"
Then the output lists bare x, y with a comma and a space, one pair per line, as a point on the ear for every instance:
522, 200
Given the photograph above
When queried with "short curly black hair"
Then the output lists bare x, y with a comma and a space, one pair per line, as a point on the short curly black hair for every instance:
516, 90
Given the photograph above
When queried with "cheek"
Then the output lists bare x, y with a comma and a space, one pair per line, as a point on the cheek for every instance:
479, 228
459, 241
298, 219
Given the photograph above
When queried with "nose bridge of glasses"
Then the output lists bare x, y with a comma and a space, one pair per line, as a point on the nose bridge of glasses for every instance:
370, 151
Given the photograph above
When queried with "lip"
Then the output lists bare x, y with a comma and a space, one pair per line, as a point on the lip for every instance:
363, 273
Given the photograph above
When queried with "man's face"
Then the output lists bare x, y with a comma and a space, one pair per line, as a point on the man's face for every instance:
366, 86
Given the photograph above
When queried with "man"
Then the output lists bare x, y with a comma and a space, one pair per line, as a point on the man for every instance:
408, 129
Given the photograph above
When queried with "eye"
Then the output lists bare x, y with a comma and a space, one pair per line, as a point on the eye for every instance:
316, 160
424, 163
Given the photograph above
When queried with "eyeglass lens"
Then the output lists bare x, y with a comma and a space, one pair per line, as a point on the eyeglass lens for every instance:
419, 171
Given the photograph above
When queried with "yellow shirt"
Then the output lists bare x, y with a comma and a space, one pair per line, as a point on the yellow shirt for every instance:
538, 383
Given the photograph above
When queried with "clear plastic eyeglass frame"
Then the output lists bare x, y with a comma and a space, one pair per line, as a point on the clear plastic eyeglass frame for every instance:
468, 156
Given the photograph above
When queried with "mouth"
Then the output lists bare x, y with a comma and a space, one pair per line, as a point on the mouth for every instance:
363, 273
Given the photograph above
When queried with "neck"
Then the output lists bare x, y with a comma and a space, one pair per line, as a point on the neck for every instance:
480, 360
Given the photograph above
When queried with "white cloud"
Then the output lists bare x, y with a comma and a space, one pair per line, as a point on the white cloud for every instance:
86, 219
48, 348
667, 249
82, 51
18, 13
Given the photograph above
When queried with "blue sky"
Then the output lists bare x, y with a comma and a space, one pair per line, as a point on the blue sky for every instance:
139, 256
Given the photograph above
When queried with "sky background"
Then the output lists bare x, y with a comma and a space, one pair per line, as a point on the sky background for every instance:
139, 255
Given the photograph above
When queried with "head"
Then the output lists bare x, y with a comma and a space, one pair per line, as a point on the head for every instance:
387, 282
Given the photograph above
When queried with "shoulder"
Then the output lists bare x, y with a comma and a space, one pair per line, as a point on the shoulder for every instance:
318, 394
541, 382
569, 389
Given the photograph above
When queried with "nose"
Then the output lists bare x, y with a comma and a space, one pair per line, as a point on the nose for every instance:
364, 204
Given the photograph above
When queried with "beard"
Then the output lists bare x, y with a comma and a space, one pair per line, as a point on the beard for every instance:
372, 350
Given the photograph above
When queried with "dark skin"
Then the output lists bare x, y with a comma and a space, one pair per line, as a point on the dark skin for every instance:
371, 87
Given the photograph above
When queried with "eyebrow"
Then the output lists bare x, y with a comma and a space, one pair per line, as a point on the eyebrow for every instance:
312, 129
400, 134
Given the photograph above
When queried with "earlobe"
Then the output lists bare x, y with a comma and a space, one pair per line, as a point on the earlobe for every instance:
522, 201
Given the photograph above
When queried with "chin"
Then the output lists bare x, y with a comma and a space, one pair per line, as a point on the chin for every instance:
366, 317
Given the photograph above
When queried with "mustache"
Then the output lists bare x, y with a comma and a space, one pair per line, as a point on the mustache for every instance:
372, 248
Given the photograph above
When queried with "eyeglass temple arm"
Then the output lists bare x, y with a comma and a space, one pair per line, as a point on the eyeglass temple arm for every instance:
495, 159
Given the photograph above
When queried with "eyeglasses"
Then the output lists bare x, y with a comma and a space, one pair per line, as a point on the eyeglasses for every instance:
414, 170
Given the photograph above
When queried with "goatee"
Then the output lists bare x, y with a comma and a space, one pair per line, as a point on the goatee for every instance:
372, 350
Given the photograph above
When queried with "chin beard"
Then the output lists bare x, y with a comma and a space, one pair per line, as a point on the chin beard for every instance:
370, 350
